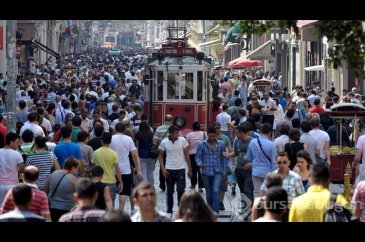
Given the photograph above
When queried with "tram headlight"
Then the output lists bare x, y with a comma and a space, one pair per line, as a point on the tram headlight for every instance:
180, 121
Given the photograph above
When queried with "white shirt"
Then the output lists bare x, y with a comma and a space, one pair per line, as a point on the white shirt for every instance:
175, 159
280, 142
321, 137
35, 128
123, 144
223, 119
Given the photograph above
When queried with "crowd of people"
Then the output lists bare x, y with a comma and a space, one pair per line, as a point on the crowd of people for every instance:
82, 141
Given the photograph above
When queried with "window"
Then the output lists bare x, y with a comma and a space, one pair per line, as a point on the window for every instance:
159, 85
200, 86
187, 85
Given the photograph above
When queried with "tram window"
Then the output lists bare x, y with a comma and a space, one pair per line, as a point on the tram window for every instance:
159, 85
200, 86
187, 85
173, 86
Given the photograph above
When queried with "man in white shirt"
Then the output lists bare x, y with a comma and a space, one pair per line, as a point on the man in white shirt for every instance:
323, 140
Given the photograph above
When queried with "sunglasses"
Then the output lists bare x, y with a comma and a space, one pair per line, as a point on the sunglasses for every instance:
279, 162
151, 194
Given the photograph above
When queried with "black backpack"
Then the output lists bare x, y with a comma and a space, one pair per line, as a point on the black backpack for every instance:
337, 213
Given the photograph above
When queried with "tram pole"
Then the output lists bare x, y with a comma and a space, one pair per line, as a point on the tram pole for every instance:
11, 74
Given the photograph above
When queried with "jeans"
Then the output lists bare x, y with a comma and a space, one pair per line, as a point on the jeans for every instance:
178, 177
197, 176
212, 186
244, 181
161, 177
257, 182
147, 167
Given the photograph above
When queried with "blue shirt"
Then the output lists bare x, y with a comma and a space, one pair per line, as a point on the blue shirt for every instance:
260, 164
282, 101
214, 161
65, 150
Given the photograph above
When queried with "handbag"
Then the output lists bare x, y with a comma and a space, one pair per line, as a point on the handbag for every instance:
154, 148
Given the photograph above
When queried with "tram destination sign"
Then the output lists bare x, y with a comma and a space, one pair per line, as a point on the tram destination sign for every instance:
179, 49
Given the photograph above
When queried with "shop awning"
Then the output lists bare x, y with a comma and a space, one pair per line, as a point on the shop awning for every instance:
46, 49
211, 43
314, 68
263, 52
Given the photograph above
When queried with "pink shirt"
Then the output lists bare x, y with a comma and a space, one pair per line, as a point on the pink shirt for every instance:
194, 138
359, 197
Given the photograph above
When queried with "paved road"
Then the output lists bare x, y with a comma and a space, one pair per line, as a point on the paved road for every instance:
231, 203
224, 216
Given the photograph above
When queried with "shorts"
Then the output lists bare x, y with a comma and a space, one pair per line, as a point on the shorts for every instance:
127, 185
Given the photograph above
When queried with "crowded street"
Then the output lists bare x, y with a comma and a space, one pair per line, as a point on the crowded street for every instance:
148, 121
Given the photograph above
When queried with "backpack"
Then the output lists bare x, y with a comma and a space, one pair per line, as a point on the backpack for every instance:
337, 213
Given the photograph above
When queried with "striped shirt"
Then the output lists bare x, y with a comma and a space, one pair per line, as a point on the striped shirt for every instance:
83, 214
213, 161
38, 206
44, 162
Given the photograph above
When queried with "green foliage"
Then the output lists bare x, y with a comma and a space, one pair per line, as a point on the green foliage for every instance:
347, 36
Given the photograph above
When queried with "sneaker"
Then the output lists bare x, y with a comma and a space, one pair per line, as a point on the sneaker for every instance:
200, 190
163, 188
221, 206
169, 215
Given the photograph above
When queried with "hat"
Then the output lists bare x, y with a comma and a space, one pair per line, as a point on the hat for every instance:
217, 125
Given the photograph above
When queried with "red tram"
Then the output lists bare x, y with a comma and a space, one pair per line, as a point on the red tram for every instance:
177, 83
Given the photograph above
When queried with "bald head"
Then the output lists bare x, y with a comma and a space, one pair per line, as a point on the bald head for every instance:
31, 174
168, 118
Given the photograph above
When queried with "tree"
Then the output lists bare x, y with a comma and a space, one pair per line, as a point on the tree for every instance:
348, 36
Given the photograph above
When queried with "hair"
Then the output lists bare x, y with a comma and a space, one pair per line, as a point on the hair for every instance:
66, 132
315, 121
76, 121
142, 186
40, 142
106, 138
295, 122
211, 130
273, 179
305, 126
245, 127
306, 156
98, 131
116, 215
82, 136
294, 134
281, 154
85, 188
319, 174
70, 163
11, 137
193, 208
32, 116
22, 104
237, 102
284, 129
196, 126
97, 171
266, 128
317, 101
120, 127
31, 173
276, 200
22, 194
290, 113
173, 128
27, 136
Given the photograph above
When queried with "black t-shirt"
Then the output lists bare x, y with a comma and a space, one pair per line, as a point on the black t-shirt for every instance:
95, 143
